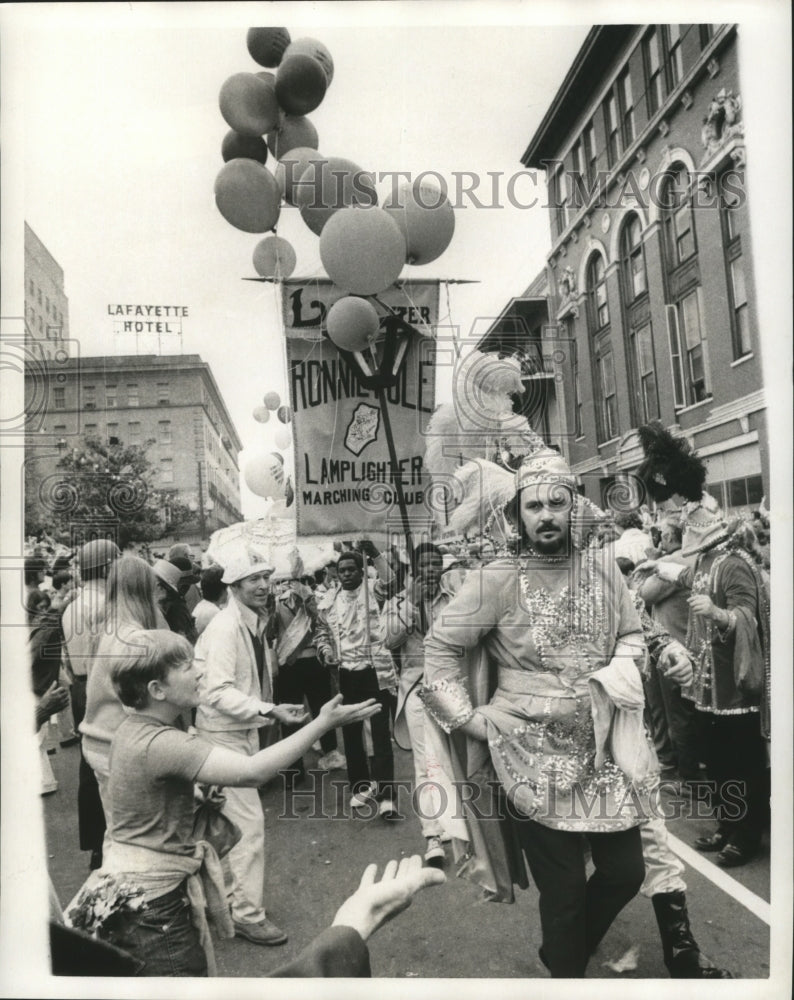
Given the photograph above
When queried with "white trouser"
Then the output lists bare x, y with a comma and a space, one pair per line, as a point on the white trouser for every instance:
247, 858
663, 869
427, 801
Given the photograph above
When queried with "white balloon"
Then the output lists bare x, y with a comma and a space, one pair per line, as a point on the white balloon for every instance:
283, 438
264, 475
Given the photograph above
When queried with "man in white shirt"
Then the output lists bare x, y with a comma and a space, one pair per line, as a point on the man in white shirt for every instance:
236, 695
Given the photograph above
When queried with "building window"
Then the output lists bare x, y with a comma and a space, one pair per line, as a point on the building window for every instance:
164, 427
59, 397
679, 225
132, 395
560, 199
590, 154
577, 392
633, 260
134, 433
654, 73
597, 294
606, 397
89, 397
626, 101
90, 430
643, 359
166, 470
688, 351
163, 394
111, 396
675, 59
747, 491
113, 434
614, 138
734, 264
706, 34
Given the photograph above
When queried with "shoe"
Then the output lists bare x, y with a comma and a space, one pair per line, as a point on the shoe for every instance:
264, 933
732, 856
388, 810
435, 855
362, 797
682, 956
96, 859
715, 842
332, 761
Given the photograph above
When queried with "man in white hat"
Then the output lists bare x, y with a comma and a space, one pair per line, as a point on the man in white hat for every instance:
236, 701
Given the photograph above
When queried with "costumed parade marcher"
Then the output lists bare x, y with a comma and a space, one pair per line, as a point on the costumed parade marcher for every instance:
563, 731
728, 638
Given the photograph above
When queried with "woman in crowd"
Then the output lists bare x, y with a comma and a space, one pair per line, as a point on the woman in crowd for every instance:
130, 607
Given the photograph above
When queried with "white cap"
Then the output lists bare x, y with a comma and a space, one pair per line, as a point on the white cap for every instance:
246, 561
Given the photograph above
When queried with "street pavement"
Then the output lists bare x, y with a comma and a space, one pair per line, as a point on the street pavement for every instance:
316, 853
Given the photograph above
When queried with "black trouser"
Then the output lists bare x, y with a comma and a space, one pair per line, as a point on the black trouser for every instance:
356, 686
306, 677
90, 815
736, 759
576, 912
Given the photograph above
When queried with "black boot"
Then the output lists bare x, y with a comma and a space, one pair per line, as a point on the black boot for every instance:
683, 958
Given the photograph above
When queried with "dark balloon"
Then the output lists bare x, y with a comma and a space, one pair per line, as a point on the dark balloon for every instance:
249, 147
300, 85
267, 45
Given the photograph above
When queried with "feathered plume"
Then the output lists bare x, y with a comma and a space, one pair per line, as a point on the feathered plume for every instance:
485, 487
479, 422
670, 465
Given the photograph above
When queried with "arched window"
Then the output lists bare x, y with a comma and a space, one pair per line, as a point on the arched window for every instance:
687, 336
597, 294
640, 355
633, 259
604, 388
679, 225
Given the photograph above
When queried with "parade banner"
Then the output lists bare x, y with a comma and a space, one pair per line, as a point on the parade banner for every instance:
344, 479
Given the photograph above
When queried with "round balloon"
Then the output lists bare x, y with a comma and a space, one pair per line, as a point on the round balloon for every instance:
269, 78
283, 437
277, 455
291, 168
292, 133
248, 196
362, 249
247, 147
267, 45
300, 85
328, 185
284, 414
274, 258
261, 414
272, 400
264, 475
248, 104
426, 220
352, 324
316, 50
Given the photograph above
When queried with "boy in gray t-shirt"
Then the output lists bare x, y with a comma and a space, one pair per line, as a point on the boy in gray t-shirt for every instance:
152, 769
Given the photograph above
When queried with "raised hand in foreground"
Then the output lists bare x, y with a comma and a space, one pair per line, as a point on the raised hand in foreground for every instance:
374, 903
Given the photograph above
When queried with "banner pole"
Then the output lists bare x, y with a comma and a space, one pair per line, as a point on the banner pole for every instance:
384, 409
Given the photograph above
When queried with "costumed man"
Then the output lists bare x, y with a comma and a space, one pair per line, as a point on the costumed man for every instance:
350, 637
563, 731
728, 638
236, 689
407, 618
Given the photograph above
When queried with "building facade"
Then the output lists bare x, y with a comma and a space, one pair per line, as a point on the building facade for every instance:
170, 405
46, 304
650, 279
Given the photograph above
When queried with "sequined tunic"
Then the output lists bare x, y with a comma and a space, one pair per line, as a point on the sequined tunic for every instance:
548, 627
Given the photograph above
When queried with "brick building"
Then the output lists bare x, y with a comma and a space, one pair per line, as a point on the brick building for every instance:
171, 403
650, 278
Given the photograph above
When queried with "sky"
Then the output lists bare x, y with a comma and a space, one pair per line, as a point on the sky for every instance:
122, 145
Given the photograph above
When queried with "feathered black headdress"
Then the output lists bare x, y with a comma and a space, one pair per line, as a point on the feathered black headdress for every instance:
670, 465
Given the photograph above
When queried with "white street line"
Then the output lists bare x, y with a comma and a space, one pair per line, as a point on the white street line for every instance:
723, 881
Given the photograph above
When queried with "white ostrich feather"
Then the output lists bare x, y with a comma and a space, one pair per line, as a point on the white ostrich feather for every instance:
486, 488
